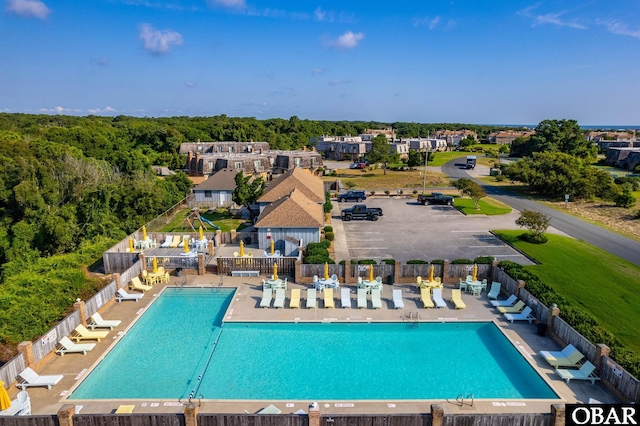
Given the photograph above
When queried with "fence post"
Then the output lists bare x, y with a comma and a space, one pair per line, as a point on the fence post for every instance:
143, 261
397, 272
233, 236
65, 414
201, 264
26, 349
347, 271
601, 350
554, 313
314, 414
81, 308
297, 271
521, 284
118, 280
210, 248
218, 238
558, 413
494, 265
190, 415
445, 271
437, 415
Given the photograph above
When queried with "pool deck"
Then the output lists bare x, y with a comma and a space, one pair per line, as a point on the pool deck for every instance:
245, 307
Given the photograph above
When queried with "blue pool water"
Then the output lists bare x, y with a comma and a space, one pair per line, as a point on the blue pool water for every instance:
169, 354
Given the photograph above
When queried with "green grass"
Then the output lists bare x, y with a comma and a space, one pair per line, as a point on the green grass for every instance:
220, 217
440, 158
488, 206
603, 284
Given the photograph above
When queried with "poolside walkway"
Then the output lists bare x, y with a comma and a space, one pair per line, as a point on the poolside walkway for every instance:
245, 307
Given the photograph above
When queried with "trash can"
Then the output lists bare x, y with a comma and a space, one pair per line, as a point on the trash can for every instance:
178, 272
542, 329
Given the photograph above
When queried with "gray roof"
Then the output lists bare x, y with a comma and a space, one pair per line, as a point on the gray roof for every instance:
223, 180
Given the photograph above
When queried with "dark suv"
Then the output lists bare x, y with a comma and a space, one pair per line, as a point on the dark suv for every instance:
352, 196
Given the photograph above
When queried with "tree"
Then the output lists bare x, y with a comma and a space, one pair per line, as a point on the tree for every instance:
555, 136
380, 152
471, 189
248, 190
625, 199
328, 205
536, 222
467, 142
414, 159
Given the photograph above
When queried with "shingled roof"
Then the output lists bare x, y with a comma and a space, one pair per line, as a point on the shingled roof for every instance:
222, 180
292, 211
297, 178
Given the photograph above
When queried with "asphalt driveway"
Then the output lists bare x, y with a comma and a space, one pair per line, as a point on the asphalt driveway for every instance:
409, 230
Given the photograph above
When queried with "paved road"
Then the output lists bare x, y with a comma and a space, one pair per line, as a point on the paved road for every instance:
618, 245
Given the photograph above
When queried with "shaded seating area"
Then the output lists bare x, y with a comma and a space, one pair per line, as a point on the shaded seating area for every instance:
66, 346
567, 357
29, 378
585, 372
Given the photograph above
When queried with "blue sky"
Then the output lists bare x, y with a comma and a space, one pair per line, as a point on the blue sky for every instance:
468, 61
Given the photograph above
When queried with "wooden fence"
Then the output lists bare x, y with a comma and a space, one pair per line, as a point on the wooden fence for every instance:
619, 380
264, 265
420, 270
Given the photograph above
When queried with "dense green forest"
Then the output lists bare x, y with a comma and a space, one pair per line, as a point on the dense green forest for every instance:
70, 187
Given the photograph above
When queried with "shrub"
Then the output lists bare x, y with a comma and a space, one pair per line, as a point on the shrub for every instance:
328, 228
388, 261
367, 262
533, 238
626, 199
327, 206
318, 259
483, 260
417, 262
386, 191
372, 193
414, 192
329, 236
437, 262
462, 262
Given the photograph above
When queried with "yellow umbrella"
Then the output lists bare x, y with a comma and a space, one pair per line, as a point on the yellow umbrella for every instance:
241, 248
475, 272
201, 233
144, 233
431, 273
155, 265
275, 271
131, 244
5, 401
272, 245
326, 271
370, 273
186, 245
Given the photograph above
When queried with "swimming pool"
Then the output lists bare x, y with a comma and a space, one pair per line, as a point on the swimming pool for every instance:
183, 348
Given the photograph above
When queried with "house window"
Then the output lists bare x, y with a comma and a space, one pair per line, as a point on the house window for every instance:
314, 161
238, 165
208, 194
296, 161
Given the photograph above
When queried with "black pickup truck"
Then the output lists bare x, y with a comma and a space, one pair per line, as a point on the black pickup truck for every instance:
360, 211
435, 198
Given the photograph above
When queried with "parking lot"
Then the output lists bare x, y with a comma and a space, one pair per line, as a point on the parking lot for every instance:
409, 230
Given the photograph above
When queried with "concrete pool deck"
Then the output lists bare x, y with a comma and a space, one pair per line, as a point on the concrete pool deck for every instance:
245, 308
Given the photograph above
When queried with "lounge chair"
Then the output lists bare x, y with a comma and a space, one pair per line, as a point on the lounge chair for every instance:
418, 281
21, 406
376, 300
568, 357
425, 297
397, 299
267, 295
495, 290
81, 333
98, 322
362, 298
585, 372
525, 315
311, 298
295, 298
123, 295
177, 239
345, 297
125, 409
328, 298
279, 300
456, 298
136, 284
29, 378
515, 309
511, 300
437, 298
167, 242
67, 347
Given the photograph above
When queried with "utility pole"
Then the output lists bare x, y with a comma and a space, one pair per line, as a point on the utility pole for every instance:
424, 178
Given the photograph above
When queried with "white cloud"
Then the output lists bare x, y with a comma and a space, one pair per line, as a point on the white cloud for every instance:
159, 41
57, 110
28, 8
431, 23
347, 40
317, 71
107, 109
229, 4
323, 15
338, 82
619, 28
554, 19
190, 84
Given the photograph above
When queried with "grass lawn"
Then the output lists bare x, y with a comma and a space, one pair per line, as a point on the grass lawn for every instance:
376, 179
440, 158
487, 205
603, 284
221, 217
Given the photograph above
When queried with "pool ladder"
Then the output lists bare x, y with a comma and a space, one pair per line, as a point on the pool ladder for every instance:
460, 399
414, 319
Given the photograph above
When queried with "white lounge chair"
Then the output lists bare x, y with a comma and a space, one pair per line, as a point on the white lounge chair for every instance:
586, 372
397, 299
267, 295
311, 298
362, 298
98, 322
345, 297
568, 357
123, 295
376, 300
495, 290
280, 296
525, 315
67, 347
167, 242
511, 300
29, 378
21, 406
437, 298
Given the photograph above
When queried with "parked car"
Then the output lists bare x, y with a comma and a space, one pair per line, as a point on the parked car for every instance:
435, 198
360, 211
352, 195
